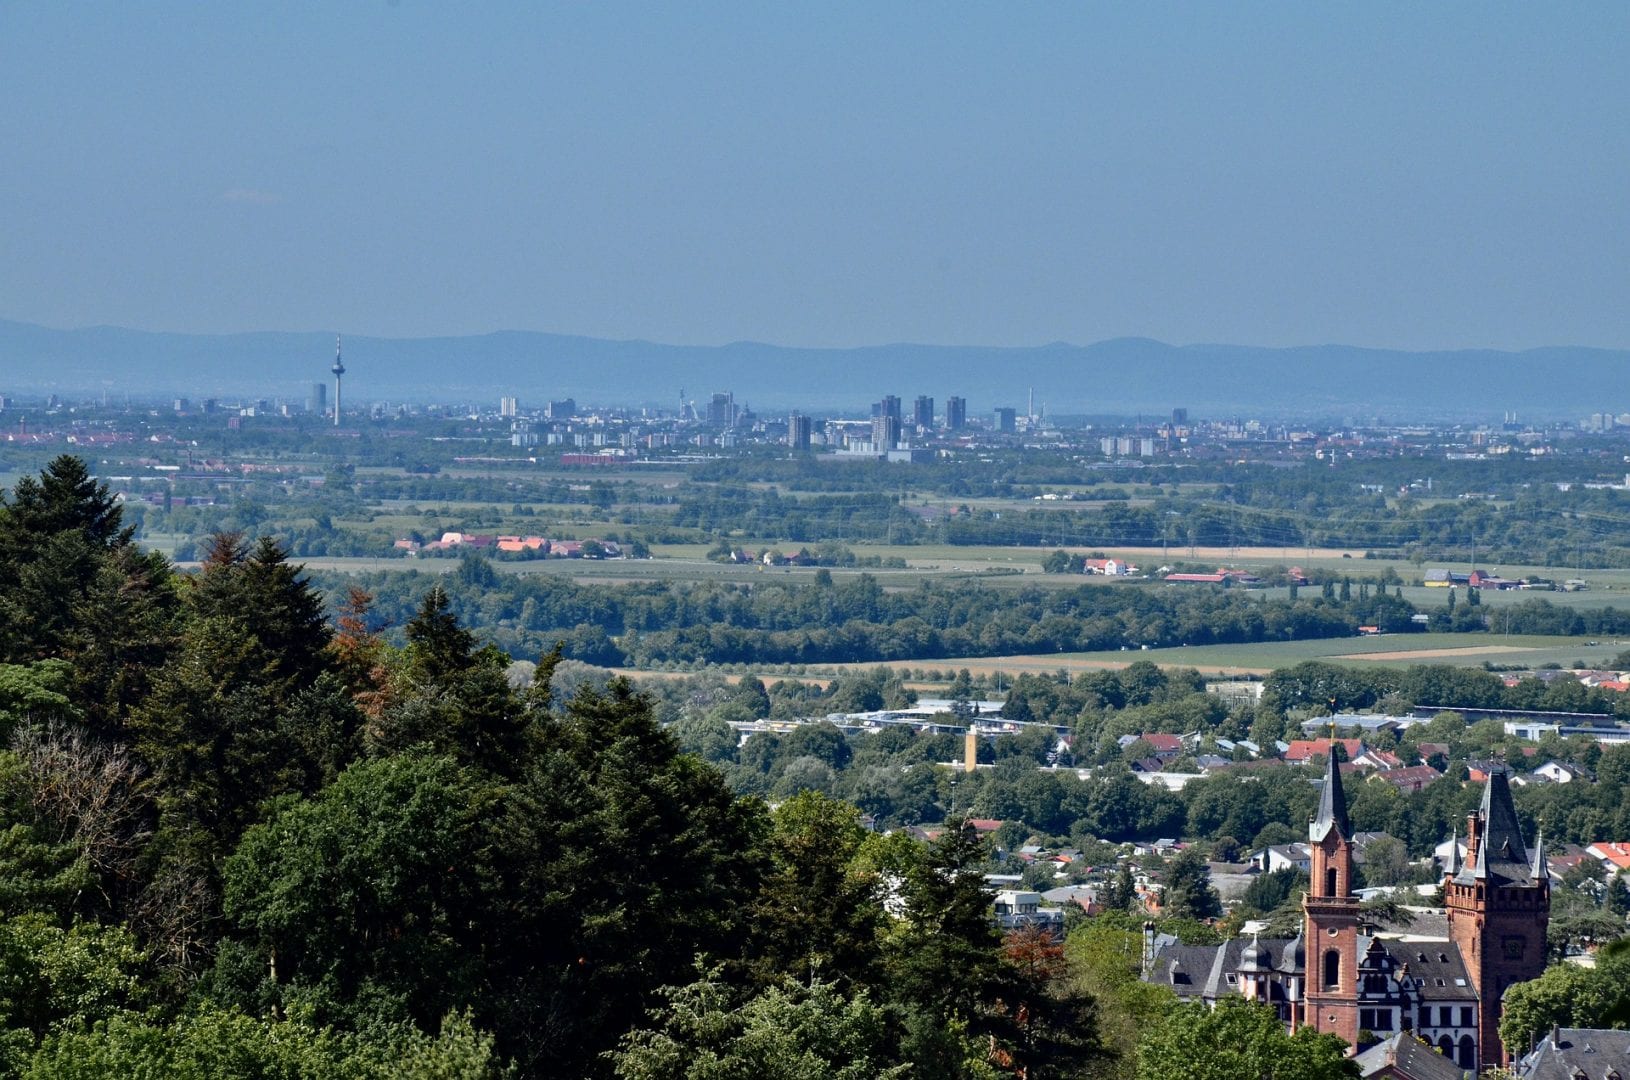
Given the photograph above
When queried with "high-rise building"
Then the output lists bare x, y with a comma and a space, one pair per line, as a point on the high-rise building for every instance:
889, 406
564, 409
798, 431
508, 407
922, 413
721, 411
317, 403
1180, 416
956, 413
1006, 421
885, 432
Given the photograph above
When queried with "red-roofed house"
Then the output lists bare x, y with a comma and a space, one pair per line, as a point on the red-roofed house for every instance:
1163, 743
1414, 778
1110, 567
1379, 759
1304, 750
1614, 856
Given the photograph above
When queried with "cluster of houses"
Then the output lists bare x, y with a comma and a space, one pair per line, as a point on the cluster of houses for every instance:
771, 557
537, 546
1440, 578
1223, 576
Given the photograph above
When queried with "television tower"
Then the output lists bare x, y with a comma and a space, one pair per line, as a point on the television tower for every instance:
338, 369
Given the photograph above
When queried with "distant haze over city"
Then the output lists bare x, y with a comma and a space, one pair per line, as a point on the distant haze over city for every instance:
1121, 376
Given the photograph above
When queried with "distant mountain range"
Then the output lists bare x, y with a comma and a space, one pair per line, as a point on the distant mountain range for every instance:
1123, 376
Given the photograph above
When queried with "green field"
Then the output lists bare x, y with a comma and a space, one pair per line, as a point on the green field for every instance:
1465, 650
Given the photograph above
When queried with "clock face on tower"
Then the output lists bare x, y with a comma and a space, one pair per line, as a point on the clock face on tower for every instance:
1512, 946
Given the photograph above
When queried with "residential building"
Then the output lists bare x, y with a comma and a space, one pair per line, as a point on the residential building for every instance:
956, 413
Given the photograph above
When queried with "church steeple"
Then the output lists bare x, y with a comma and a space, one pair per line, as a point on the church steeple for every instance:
1330, 914
1332, 804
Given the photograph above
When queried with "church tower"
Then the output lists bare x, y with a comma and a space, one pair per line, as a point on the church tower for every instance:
1499, 905
1330, 913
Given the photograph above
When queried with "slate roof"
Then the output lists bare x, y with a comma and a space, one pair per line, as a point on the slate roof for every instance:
1436, 968
1332, 806
1579, 1054
1502, 857
1409, 1058
1195, 971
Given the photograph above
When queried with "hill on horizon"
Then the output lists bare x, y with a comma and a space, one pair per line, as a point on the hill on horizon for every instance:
1118, 376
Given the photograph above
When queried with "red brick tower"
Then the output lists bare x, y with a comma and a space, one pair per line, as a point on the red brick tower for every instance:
1330, 911
1499, 907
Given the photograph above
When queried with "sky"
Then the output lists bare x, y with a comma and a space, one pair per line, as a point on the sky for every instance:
1406, 175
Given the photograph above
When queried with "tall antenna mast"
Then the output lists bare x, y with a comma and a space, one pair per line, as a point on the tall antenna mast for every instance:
339, 370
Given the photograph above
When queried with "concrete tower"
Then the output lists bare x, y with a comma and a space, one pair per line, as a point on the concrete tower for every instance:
1330, 914
339, 371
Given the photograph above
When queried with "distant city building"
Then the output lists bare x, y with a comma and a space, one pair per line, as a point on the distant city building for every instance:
798, 431
889, 406
561, 410
885, 432
1180, 416
1007, 420
922, 413
721, 411
508, 407
956, 413
316, 402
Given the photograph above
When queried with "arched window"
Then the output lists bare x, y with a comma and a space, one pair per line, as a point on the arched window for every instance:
1332, 968
1447, 1045
1330, 881
1468, 1053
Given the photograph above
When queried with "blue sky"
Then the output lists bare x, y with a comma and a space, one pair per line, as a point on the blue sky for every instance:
1406, 175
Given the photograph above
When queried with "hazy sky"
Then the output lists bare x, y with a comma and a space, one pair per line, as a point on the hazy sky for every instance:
1414, 175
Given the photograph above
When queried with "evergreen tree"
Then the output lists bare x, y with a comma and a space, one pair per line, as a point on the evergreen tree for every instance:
818, 913
1189, 893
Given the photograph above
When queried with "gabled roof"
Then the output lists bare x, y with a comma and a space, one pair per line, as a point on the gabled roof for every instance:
1568, 1053
1409, 1059
1303, 749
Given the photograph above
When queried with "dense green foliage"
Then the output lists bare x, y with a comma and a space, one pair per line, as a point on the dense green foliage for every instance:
261, 845
856, 619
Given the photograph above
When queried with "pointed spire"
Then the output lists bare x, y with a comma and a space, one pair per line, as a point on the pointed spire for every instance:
1454, 852
1332, 803
1502, 836
1539, 871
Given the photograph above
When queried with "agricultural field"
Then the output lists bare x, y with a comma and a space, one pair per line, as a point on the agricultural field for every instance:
1464, 650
